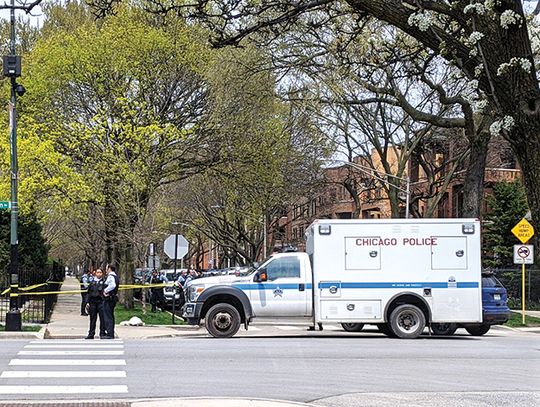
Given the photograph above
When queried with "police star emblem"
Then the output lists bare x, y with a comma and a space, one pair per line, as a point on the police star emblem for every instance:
278, 292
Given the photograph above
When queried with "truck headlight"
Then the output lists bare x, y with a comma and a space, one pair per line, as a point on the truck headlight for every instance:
194, 291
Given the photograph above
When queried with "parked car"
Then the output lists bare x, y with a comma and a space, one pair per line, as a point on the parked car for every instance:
140, 275
494, 308
173, 290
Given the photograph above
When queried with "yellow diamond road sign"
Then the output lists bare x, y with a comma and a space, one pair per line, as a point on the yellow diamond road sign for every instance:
523, 230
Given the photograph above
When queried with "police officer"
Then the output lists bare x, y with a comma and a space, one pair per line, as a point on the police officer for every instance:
157, 292
85, 280
110, 298
95, 304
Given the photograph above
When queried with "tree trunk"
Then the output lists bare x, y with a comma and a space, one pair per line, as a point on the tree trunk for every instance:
393, 196
126, 268
351, 187
473, 188
527, 152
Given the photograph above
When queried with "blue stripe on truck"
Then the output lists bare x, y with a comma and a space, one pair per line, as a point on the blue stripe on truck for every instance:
468, 284
273, 286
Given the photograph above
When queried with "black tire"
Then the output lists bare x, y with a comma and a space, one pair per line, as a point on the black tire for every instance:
222, 321
445, 329
407, 321
352, 327
478, 330
385, 329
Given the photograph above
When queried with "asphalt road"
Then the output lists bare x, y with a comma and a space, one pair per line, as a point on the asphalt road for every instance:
331, 368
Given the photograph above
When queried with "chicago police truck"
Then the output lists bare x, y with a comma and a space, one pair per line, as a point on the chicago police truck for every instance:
399, 274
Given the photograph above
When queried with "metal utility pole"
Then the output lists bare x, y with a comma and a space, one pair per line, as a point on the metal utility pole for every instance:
265, 232
12, 70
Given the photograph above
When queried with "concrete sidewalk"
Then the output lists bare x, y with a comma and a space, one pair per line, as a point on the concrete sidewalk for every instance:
166, 402
68, 323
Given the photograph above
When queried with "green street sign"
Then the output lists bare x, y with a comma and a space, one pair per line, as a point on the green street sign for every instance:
5, 204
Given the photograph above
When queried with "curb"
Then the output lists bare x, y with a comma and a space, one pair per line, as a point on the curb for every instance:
168, 402
216, 402
530, 329
23, 334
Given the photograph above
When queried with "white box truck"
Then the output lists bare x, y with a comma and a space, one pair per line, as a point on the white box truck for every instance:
399, 274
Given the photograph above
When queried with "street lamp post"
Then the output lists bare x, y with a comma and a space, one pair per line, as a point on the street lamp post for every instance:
265, 237
12, 70
369, 171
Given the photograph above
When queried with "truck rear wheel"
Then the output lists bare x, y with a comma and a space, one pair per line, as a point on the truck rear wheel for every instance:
222, 321
478, 330
407, 321
352, 327
443, 329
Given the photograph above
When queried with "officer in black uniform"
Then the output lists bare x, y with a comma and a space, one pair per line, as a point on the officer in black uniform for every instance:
110, 298
157, 292
85, 280
95, 304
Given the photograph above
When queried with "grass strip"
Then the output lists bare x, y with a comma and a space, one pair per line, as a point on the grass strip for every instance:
151, 318
25, 328
515, 321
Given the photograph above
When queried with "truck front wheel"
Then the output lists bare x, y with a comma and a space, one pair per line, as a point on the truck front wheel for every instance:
407, 321
222, 321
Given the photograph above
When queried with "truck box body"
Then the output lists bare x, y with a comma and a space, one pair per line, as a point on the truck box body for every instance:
360, 266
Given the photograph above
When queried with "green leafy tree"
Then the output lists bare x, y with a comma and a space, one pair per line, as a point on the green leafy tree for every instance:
507, 206
33, 250
122, 100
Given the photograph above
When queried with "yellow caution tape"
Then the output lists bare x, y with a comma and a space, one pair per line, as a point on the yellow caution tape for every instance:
31, 287
121, 287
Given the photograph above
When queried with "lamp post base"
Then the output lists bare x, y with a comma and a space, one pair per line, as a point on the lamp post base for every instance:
13, 321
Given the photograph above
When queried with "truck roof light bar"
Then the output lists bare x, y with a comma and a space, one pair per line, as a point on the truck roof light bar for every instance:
468, 228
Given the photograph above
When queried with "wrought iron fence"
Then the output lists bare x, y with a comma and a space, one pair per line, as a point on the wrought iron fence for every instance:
35, 308
511, 279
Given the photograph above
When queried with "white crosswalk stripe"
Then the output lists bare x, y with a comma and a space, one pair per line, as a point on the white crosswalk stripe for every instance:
71, 352
67, 362
62, 389
46, 346
63, 373
104, 342
103, 359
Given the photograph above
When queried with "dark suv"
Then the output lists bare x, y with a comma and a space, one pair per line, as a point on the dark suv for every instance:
494, 299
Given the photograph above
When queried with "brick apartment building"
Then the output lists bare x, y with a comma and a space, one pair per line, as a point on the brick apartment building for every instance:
333, 201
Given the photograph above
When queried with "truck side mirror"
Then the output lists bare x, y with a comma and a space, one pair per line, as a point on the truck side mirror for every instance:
261, 276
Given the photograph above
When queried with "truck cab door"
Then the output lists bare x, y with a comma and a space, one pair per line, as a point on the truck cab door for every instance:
284, 291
